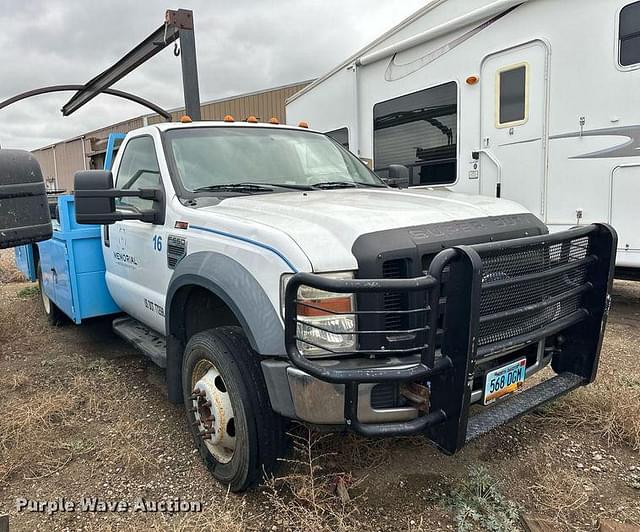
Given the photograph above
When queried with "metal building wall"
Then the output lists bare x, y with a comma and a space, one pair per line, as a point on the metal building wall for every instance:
45, 157
120, 127
69, 159
261, 104
60, 162
65, 158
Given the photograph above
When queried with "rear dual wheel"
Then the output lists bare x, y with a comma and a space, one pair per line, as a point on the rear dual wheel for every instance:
238, 435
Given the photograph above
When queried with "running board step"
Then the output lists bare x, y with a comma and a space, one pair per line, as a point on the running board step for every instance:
513, 407
143, 339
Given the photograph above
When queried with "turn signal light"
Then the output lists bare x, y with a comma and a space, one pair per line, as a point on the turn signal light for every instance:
325, 306
303, 124
472, 80
185, 119
228, 118
274, 120
252, 120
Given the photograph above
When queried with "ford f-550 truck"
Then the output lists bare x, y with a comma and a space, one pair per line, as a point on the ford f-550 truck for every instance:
277, 278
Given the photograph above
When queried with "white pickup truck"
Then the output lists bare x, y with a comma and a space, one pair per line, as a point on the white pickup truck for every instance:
276, 278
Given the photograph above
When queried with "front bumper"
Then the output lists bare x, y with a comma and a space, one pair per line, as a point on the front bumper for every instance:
295, 394
463, 319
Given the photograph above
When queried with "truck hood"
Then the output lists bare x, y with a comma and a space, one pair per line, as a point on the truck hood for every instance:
325, 223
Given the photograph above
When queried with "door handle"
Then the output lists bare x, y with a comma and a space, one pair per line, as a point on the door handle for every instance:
496, 163
55, 275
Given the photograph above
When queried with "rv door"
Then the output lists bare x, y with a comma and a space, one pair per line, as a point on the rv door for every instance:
513, 125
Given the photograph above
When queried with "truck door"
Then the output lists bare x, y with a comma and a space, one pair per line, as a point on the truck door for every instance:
513, 125
134, 251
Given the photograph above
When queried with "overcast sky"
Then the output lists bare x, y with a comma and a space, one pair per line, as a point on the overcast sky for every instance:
242, 46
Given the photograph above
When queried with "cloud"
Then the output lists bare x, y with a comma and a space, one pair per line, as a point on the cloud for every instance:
242, 46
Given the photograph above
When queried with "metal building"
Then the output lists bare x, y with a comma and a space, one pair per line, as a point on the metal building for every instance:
60, 161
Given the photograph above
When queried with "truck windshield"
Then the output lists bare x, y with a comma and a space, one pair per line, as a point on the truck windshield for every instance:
211, 157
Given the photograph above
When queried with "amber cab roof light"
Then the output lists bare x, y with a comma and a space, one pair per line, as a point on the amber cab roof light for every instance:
304, 124
228, 118
274, 120
252, 119
185, 119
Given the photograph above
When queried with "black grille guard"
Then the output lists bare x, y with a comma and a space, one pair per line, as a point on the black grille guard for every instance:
499, 296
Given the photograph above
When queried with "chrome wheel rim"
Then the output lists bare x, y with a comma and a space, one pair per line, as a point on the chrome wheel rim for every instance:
213, 411
46, 302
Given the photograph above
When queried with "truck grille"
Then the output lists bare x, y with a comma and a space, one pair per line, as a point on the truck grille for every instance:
394, 269
525, 289
522, 290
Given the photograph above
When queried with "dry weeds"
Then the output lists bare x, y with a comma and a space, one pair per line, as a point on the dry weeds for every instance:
609, 408
561, 494
312, 496
41, 429
64, 414
8, 272
27, 429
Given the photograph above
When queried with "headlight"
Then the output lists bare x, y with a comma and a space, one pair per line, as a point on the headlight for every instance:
324, 319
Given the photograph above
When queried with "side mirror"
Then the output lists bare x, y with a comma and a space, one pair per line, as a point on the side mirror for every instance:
398, 176
95, 200
24, 211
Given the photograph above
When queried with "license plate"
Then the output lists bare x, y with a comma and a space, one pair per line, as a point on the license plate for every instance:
505, 380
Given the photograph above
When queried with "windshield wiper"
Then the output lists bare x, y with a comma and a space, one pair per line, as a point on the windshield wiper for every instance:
334, 184
344, 184
291, 186
235, 187
374, 185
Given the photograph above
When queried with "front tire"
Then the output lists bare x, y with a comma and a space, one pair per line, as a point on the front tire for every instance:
54, 315
236, 431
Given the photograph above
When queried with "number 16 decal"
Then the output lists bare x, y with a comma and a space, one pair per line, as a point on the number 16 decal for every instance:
157, 243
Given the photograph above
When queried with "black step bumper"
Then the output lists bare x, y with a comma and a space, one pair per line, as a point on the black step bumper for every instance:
474, 302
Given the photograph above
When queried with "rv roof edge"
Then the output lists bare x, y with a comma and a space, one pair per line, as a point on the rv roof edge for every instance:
437, 31
429, 6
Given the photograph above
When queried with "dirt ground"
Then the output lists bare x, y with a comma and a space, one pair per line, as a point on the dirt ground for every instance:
83, 415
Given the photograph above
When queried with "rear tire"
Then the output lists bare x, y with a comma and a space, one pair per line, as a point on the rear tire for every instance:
54, 315
238, 435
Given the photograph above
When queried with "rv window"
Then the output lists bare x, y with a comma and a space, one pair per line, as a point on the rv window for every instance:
341, 136
418, 130
629, 35
512, 96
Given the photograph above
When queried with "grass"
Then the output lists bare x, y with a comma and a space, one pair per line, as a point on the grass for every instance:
66, 416
41, 427
8, 270
28, 429
29, 292
478, 504
609, 408
560, 493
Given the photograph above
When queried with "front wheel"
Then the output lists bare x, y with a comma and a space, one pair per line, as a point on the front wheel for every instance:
54, 315
238, 434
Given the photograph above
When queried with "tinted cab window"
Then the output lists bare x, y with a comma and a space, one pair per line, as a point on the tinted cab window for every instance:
138, 169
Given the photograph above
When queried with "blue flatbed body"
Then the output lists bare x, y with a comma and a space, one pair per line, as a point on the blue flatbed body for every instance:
72, 264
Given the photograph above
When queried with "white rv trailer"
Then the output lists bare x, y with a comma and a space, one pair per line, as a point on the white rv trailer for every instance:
537, 101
